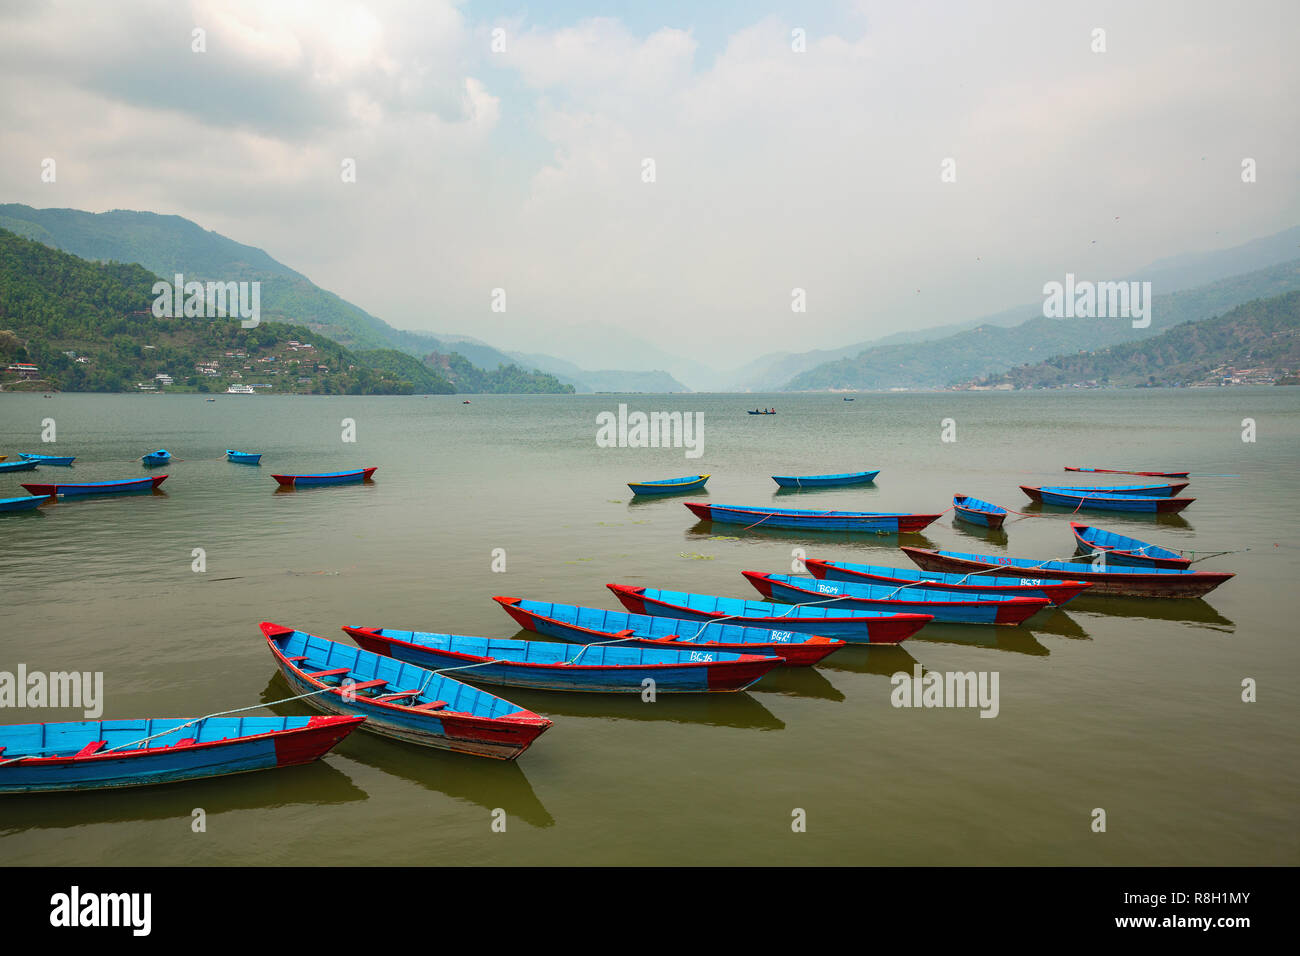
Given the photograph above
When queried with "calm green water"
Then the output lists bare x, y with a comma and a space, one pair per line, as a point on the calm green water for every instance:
1131, 706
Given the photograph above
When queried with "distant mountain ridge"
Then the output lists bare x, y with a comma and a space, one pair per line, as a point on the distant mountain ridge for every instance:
1261, 337
1168, 275
991, 349
166, 245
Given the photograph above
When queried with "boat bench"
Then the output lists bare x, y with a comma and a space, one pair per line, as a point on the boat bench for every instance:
296, 660
333, 672
399, 695
361, 685
94, 747
431, 705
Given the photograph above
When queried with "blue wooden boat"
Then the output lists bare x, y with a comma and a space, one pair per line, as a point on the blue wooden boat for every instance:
855, 627
760, 411
880, 522
1058, 592
243, 457
1109, 581
978, 512
401, 700
590, 625
826, 481
7, 466
49, 459
949, 607
542, 665
352, 476
105, 754
156, 458
23, 503
67, 488
1143, 474
668, 486
1168, 490
1105, 502
1120, 549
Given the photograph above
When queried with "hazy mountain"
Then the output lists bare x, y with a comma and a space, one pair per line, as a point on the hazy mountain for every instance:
989, 349
1168, 275
1263, 334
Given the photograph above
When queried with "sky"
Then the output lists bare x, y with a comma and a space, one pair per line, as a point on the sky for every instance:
774, 168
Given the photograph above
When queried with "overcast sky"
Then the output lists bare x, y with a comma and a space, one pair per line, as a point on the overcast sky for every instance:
775, 169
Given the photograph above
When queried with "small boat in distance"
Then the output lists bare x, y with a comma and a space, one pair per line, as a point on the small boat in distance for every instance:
826, 481
156, 458
1142, 491
23, 503
8, 466
668, 486
760, 411
243, 457
1120, 549
65, 489
240, 390
327, 478
850, 399
1110, 582
978, 512
545, 665
106, 754
49, 459
878, 522
1066, 498
1119, 471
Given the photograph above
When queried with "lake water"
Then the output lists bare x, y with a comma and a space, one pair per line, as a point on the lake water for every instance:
1126, 705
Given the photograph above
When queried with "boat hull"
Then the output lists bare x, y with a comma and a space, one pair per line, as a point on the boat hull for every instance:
826, 481
850, 628
792, 519
69, 489
1057, 592
1142, 474
581, 625
333, 478
1142, 491
301, 741
645, 488
949, 608
243, 457
699, 671
1190, 584
52, 460
1119, 549
1103, 502
22, 503
25, 465
501, 738
974, 511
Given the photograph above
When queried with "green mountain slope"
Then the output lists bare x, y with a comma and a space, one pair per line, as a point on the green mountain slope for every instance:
1257, 341
988, 350
88, 326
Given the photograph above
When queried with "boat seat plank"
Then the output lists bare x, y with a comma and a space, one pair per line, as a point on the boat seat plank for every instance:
362, 685
399, 695
186, 742
95, 746
333, 672
431, 705
296, 660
